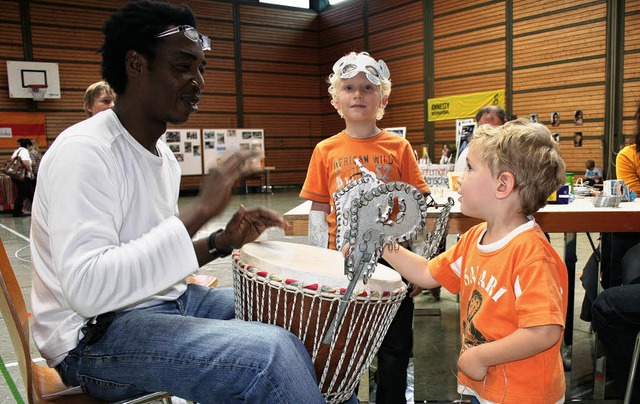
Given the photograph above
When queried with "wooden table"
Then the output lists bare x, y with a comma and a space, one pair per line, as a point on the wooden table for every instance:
266, 171
579, 216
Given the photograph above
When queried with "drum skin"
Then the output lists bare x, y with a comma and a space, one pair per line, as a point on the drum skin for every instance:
289, 285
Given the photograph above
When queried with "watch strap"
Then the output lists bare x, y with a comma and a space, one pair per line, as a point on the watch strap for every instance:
211, 244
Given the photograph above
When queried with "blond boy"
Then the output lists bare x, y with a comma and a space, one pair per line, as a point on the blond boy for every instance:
512, 283
359, 87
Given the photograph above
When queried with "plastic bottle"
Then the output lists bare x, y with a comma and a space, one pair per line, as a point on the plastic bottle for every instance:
425, 156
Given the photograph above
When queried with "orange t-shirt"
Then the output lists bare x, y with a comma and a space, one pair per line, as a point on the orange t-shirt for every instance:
628, 167
332, 167
517, 282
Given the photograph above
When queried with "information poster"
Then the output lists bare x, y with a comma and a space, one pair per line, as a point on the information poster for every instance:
464, 133
436, 175
220, 143
186, 145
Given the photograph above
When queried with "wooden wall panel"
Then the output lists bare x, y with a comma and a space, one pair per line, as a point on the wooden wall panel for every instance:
283, 37
469, 55
631, 75
61, 15
477, 19
58, 121
590, 71
281, 83
280, 106
547, 47
207, 10
489, 34
280, 79
553, 21
211, 120
275, 53
446, 6
462, 84
524, 9
341, 14
10, 49
385, 17
297, 20
469, 61
551, 74
396, 35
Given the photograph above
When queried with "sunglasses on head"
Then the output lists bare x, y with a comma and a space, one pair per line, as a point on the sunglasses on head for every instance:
189, 32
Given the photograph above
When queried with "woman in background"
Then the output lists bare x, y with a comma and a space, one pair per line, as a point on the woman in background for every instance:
24, 189
98, 97
446, 154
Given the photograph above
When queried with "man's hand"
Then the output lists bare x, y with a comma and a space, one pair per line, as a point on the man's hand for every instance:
245, 226
216, 190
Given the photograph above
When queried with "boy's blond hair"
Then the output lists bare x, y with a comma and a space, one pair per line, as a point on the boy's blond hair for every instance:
528, 151
334, 87
94, 91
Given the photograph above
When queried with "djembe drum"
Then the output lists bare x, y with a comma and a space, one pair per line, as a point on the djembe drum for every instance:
299, 287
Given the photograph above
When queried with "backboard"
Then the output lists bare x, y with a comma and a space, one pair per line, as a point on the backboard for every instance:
22, 74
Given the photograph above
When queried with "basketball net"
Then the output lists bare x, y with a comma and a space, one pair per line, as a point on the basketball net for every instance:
37, 91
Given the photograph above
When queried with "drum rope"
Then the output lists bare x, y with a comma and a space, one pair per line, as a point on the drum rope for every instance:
357, 337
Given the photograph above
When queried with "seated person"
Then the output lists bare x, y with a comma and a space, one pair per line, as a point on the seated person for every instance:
593, 175
616, 248
111, 309
616, 319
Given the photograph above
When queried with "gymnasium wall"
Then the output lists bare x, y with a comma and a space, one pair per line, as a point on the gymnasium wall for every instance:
269, 65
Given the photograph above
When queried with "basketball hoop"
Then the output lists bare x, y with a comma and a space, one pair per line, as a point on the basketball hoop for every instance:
37, 91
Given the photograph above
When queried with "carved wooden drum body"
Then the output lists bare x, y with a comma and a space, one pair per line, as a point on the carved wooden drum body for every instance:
299, 287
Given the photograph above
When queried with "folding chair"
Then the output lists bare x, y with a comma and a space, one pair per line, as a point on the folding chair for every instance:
43, 384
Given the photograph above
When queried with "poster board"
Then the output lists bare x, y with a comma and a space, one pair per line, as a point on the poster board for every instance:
400, 131
186, 145
220, 143
464, 132
436, 175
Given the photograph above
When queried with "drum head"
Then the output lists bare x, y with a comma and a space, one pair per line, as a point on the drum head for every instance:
309, 264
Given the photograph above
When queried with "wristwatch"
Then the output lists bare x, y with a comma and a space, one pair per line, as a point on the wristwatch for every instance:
213, 250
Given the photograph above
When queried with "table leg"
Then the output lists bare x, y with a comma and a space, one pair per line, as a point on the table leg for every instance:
267, 174
570, 259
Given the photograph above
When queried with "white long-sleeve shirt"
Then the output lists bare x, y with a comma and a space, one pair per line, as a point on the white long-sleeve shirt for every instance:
105, 235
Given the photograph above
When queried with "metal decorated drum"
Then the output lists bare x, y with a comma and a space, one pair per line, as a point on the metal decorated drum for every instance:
299, 287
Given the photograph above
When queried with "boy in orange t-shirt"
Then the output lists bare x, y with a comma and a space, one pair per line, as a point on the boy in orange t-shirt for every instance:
512, 283
359, 87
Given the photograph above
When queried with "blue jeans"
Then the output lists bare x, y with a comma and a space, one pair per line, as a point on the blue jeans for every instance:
616, 319
620, 266
193, 348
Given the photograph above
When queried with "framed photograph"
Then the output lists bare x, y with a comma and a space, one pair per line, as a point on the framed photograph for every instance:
400, 131
577, 117
555, 119
533, 118
577, 139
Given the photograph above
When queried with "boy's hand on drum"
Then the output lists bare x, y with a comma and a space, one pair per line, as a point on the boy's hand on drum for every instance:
246, 225
415, 291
